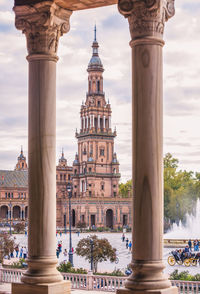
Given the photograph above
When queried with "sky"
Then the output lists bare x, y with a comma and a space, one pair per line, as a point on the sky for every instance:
181, 83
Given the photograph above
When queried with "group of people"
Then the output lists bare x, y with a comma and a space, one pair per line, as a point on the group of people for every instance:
59, 250
128, 243
19, 252
196, 244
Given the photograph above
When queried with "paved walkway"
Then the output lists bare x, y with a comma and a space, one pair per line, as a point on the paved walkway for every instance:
6, 289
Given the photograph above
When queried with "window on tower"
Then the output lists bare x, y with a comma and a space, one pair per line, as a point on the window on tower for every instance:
102, 187
61, 177
98, 86
99, 103
101, 152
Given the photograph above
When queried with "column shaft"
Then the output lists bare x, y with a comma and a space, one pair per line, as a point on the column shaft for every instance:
42, 157
43, 23
146, 22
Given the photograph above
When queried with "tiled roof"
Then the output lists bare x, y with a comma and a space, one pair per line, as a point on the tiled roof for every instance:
16, 178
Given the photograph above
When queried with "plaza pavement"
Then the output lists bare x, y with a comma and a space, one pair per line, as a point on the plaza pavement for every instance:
6, 289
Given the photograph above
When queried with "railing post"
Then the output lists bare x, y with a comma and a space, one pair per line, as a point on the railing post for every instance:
90, 278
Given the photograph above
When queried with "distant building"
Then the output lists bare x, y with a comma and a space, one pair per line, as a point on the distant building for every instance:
95, 173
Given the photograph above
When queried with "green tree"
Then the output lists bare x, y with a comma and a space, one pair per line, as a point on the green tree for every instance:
125, 190
7, 245
19, 227
102, 250
181, 190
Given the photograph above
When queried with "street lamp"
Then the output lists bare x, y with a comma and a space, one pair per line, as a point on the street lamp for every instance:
10, 205
65, 215
92, 247
69, 191
65, 205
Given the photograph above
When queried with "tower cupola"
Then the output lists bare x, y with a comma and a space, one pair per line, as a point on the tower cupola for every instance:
95, 63
62, 160
21, 161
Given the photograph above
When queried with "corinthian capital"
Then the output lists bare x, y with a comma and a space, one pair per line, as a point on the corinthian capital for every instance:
146, 17
43, 23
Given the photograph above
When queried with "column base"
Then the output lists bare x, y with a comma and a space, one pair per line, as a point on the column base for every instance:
63, 287
171, 290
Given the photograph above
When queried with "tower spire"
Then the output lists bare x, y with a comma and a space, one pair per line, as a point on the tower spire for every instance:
95, 33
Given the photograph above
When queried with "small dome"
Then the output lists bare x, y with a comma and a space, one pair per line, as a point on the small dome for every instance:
95, 61
76, 159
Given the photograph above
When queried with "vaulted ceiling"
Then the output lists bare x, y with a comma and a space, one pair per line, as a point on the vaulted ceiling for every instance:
72, 4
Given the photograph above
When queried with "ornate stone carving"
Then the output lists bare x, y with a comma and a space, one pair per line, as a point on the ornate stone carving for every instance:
43, 24
146, 17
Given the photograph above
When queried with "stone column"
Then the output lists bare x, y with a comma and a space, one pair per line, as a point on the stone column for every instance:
42, 23
146, 22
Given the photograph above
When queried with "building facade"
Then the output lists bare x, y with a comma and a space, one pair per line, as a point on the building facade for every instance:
94, 175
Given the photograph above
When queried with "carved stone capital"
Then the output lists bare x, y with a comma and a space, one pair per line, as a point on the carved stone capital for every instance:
43, 23
146, 17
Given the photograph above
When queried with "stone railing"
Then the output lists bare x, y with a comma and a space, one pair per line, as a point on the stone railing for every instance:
10, 275
187, 286
93, 282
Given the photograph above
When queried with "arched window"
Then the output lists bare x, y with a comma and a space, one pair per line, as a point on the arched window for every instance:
98, 86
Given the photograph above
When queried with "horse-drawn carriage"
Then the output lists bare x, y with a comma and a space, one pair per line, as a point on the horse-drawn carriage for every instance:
181, 257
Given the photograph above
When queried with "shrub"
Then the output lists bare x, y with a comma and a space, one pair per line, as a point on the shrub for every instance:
67, 268
184, 276
81, 225
19, 264
115, 273
19, 227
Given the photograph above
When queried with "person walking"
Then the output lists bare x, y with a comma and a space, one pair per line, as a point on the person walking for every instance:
127, 243
21, 252
17, 251
130, 246
57, 252
25, 252
190, 245
123, 237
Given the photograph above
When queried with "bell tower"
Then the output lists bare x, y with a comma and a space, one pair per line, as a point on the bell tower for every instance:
21, 161
95, 169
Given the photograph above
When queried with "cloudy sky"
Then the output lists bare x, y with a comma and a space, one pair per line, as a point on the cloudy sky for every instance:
181, 83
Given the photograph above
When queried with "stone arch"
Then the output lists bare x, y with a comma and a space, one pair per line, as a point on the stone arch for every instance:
16, 211
4, 211
26, 212
73, 218
109, 218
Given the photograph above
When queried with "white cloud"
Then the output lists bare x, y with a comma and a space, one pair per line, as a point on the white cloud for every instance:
181, 82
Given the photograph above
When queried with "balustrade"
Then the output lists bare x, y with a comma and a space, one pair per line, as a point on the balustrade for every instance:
94, 282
